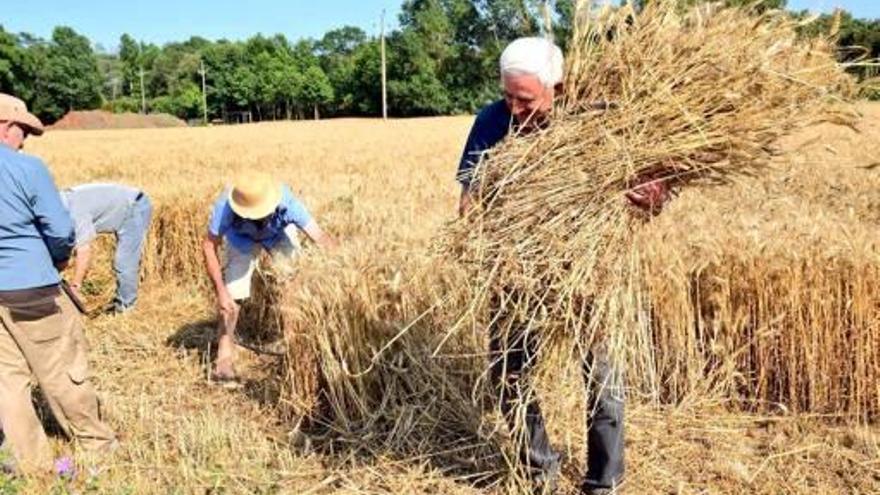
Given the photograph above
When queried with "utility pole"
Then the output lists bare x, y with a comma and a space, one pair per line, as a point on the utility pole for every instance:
548, 20
384, 72
202, 71
143, 95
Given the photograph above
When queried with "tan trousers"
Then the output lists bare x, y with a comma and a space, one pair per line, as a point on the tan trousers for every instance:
42, 343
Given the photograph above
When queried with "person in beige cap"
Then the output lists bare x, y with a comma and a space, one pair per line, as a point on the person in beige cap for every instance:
41, 332
16, 122
257, 212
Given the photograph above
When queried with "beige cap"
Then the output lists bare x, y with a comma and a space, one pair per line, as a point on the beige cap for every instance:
13, 109
254, 195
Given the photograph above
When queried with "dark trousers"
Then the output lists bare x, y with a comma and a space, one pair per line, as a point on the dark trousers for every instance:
514, 354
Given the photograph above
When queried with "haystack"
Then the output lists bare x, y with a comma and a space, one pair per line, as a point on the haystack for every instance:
173, 249
698, 98
367, 364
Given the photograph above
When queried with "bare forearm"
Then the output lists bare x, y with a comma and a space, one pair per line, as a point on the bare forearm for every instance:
212, 263
82, 263
326, 241
319, 237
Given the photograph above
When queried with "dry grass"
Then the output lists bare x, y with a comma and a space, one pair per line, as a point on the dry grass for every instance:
706, 306
386, 189
764, 288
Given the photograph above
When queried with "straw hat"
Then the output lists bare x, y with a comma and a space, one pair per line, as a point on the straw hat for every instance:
14, 110
254, 195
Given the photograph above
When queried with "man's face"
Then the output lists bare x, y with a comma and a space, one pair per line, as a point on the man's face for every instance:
12, 135
528, 99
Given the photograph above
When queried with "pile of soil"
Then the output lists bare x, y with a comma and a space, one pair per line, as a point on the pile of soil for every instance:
99, 119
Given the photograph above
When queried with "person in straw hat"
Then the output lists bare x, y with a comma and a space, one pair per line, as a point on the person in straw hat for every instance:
532, 77
256, 212
41, 332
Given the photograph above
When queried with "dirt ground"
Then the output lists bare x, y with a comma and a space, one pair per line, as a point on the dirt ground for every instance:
99, 119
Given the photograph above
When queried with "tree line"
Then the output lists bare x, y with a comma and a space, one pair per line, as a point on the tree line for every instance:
441, 59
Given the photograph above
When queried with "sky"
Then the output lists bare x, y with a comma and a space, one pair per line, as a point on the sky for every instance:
869, 9
162, 21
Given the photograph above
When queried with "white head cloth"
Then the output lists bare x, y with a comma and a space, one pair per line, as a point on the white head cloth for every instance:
538, 57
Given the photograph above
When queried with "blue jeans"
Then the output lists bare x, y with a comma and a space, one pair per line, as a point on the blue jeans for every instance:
129, 247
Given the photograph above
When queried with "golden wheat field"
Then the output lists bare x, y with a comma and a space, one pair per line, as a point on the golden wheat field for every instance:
789, 260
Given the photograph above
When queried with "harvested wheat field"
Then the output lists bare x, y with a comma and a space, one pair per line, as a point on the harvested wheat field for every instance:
791, 255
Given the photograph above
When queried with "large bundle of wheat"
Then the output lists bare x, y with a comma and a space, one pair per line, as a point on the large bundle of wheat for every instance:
173, 248
368, 361
697, 98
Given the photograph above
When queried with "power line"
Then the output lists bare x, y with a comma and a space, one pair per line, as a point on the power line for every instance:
548, 19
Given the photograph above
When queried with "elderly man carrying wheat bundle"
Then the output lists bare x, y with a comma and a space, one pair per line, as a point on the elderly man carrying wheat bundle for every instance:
532, 77
256, 213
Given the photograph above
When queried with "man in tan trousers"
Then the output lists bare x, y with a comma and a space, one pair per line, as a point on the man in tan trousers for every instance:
41, 333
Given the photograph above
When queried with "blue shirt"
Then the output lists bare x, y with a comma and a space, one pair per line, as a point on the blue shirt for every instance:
242, 233
35, 229
493, 123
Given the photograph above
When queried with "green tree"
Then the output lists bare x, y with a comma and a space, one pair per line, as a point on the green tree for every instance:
17, 71
446, 53
420, 49
68, 77
129, 58
442, 59
135, 57
341, 41
186, 104
366, 92
336, 52
221, 59
290, 82
316, 90
509, 19
759, 5
762, 5
267, 70
858, 41
565, 12
243, 87
110, 68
